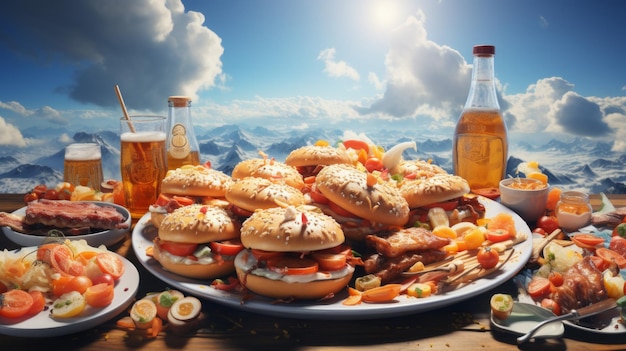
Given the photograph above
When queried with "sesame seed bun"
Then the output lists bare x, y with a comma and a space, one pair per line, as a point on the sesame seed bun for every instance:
197, 224
291, 229
195, 181
314, 155
268, 169
348, 188
438, 188
252, 193
419, 168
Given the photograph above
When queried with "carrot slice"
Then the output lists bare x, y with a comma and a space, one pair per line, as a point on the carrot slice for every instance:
382, 293
126, 323
353, 300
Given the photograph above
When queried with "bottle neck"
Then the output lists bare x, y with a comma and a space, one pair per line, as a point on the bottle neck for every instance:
482, 92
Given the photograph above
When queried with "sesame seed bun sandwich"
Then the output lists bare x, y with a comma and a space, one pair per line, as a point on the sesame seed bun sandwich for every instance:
250, 193
310, 159
443, 190
362, 203
198, 241
187, 185
268, 168
293, 253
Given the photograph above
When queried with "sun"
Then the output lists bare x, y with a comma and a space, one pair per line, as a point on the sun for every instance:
385, 14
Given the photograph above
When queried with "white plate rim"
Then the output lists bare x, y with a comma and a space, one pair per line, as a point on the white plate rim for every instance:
105, 237
144, 232
42, 325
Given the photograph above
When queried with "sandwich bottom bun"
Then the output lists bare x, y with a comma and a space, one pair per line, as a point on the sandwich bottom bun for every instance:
192, 270
283, 290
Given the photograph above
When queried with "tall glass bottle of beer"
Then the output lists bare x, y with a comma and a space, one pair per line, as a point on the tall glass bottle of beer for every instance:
182, 145
480, 145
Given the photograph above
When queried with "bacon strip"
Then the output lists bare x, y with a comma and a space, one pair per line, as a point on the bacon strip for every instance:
14, 222
72, 214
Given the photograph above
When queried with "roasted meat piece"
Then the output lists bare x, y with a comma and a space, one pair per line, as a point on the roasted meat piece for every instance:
389, 269
405, 240
73, 214
582, 286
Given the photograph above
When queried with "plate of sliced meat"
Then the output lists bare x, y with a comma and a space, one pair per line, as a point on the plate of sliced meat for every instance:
333, 307
98, 223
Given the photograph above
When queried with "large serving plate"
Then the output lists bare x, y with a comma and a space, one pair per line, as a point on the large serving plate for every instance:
105, 237
144, 233
43, 325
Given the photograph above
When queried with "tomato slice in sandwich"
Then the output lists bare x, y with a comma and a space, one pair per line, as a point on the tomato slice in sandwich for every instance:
446, 205
292, 265
178, 249
340, 210
226, 247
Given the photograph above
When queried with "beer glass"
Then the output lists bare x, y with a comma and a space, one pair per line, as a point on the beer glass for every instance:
143, 161
83, 165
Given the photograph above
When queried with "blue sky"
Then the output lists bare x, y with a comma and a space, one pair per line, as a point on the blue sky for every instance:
559, 64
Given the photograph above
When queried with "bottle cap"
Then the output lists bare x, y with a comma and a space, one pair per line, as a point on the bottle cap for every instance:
179, 101
484, 50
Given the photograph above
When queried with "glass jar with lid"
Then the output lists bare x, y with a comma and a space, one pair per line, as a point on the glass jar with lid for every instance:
573, 211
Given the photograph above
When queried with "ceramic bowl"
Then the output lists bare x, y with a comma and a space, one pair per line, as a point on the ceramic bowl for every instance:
530, 204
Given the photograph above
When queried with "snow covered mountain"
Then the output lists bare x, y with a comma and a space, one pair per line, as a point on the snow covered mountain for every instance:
594, 168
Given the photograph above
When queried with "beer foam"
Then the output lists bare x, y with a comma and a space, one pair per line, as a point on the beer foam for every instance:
83, 152
142, 137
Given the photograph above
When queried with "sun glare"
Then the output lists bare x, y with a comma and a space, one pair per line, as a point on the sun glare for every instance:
385, 14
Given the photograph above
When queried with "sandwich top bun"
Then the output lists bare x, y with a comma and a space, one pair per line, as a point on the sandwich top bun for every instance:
291, 229
197, 224
313, 155
195, 180
252, 193
438, 188
348, 188
268, 169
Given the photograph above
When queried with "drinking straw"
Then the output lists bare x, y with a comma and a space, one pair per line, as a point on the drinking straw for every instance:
121, 100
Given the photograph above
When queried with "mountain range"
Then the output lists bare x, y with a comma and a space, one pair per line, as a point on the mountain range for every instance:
579, 164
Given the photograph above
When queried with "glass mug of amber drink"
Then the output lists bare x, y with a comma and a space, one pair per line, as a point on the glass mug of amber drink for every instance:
143, 161
83, 165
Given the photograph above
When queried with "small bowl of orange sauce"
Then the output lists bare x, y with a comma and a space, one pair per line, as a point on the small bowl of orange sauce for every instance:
525, 196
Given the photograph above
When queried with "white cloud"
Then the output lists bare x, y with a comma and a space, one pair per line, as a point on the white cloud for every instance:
10, 135
337, 69
421, 73
152, 49
373, 79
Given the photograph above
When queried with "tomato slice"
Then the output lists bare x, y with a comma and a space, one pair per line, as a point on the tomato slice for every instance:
99, 295
587, 241
328, 261
39, 302
162, 200
340, 210
262, 255
539, 287
15, 303
490, 193
226, 247
241, 212
356, 145
110, 264
497, 235
183, 200
610, 256
178, 249
61, 259
291, 265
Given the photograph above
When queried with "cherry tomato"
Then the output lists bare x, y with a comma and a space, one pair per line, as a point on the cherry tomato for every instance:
487, 257
40, 190
15, 303
178, 249
103, 278
618, 244
65, 284
51, 194
110, 264
374, 164
293, 265
226, 247
620, 230
548, 223
32, 196
556, 278
99, 295
539, 231
497, 235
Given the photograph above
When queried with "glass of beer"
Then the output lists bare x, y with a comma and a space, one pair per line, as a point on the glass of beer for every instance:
143, 161
83, 165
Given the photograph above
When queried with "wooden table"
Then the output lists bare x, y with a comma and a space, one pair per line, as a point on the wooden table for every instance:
464, 325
